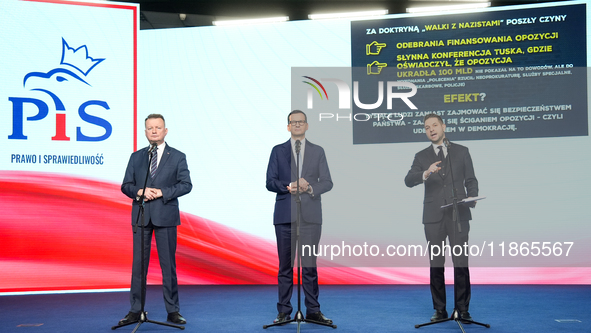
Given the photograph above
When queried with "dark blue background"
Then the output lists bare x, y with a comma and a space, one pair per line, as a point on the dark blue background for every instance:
569, 48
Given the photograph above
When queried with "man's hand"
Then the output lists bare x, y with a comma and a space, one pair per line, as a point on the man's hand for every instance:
292, 188
433, 168
151, 193
303, 185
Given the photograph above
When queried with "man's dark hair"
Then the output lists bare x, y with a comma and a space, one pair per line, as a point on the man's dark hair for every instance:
294, 112
156, 116
433, 115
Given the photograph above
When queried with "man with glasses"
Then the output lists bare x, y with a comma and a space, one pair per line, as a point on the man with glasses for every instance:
314, 180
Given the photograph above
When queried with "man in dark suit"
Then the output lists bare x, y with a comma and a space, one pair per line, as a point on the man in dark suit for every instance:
314, 180
432, 168
169, 179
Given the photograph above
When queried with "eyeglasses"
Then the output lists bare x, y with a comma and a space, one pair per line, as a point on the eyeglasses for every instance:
297, 122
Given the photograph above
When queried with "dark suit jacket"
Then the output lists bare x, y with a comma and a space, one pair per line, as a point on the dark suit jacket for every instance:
172, 178
282, 171
438, 188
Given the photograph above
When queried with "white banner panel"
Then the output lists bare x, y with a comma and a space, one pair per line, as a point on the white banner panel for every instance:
68, 87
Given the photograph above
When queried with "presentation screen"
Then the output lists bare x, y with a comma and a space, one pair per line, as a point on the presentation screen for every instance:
517, 73
510, 83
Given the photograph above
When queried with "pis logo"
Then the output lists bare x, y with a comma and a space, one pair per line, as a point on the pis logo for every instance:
73, 75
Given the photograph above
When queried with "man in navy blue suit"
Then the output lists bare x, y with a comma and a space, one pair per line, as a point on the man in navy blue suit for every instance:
314, 180
432, 167
169, 179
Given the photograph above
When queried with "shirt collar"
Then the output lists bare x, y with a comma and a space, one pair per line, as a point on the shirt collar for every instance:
436, 148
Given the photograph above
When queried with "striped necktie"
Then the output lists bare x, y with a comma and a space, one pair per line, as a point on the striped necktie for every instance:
154, 164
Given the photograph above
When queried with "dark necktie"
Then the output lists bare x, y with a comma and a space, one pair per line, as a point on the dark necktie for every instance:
154, 164
441, 158
300, 162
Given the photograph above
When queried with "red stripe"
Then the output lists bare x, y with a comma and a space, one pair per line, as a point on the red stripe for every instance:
89, 4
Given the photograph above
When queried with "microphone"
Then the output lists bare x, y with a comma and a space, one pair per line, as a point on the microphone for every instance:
446, 142
298, 146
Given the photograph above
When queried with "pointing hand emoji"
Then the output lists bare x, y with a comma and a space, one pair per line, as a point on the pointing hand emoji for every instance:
375, 67
374, 48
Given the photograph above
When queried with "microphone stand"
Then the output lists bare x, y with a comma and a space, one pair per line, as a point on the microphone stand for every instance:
456, 222
143, 314
299, 317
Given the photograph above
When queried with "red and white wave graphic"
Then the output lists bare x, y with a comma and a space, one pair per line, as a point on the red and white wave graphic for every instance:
60, 232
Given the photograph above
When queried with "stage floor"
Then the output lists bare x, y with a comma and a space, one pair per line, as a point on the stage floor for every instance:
360, 308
